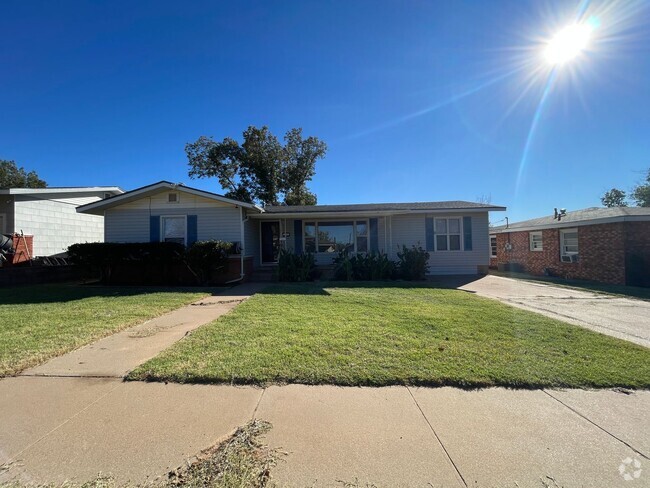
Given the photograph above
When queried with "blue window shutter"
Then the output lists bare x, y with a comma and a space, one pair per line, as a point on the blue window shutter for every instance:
192, 229
467, 233
297, 239
430, 236
374, 235
154, 228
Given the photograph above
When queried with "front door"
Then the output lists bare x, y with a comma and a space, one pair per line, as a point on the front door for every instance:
270, 241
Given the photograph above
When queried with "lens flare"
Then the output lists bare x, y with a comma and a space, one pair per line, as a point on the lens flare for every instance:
569, 43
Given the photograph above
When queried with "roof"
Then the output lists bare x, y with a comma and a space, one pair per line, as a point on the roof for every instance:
381, 207
99, 206
61, 189
587, 216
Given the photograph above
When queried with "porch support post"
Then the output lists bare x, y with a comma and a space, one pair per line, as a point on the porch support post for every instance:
242, 237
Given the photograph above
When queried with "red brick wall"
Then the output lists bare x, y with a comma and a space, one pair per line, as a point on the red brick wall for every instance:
601, 253
24, 247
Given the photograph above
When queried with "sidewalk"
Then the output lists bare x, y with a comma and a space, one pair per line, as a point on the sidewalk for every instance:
56, 429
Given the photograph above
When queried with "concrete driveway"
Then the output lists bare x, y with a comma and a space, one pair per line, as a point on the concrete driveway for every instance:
625, 318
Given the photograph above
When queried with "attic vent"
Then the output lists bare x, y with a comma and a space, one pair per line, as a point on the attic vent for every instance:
172, 198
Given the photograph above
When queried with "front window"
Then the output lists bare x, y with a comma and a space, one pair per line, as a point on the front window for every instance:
334, 237
448, 234
173, 229
536, 241
493, 246
569, 242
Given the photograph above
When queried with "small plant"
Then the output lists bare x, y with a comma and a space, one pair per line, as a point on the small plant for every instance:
296, 267
413, 263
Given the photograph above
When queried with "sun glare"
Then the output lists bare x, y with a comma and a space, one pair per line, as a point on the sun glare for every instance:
568, 43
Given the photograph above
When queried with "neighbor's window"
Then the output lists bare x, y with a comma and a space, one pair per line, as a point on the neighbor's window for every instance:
493, 246
174, 229
448, 234
536, 241
569, 242
334, 237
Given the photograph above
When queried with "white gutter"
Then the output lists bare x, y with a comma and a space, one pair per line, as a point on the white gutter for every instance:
352, 214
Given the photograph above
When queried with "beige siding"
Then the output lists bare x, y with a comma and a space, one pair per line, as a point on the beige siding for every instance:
410, 230
215, 220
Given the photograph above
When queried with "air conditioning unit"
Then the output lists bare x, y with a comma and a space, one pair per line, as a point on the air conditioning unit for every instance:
573, 258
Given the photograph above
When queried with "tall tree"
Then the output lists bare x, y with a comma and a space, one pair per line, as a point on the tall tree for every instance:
641, 192
11, 176
260, 169
614, 198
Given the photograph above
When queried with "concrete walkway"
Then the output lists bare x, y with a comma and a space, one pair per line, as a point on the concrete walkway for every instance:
625, 318
116, 355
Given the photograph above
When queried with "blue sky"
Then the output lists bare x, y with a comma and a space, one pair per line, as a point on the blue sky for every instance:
416, 100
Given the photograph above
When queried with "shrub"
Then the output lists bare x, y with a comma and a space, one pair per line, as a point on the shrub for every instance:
413, 263
364, 267
296, 267
105, 256
204, 258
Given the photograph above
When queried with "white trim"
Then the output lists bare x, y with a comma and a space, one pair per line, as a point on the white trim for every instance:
162, 229
98, 207
448, 234
80, 189
354, 221
569, 253
531, 240
351, 214
496, 245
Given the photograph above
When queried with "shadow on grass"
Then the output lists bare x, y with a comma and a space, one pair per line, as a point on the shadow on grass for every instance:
61, 293
321, 287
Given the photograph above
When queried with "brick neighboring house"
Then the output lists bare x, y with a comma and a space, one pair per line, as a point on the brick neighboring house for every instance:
609, 245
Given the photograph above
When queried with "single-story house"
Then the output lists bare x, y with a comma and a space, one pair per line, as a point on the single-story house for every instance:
455, 233
50, 216
610, 245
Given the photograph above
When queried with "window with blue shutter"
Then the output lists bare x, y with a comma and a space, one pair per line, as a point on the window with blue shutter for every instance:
467, 233
297, 240
154, 228
430, 235
374, 235
192, 229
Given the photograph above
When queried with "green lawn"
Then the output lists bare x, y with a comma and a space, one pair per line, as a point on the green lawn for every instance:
40, 322
385, 334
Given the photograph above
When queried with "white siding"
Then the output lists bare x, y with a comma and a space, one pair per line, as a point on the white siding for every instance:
54, 222
410, 230
130, 222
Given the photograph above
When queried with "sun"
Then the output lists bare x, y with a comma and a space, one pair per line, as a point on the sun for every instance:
569, 43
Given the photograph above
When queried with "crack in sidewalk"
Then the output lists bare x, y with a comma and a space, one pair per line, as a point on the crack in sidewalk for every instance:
579, 414
435, 434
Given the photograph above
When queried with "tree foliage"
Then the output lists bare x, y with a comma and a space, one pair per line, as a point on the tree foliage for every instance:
11, 176
614, 198
641, 192
260, 169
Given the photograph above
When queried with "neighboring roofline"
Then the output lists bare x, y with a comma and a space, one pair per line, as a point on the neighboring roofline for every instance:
61, 189
563, 225
365, 213
132, 194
